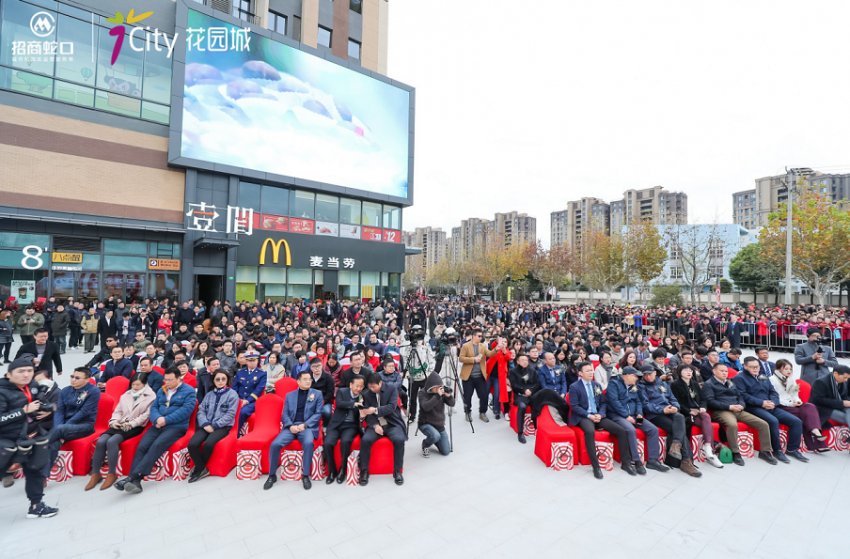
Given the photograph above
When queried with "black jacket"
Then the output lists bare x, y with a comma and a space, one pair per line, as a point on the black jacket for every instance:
101, 356
12, 402
524, 379
721, 395
689, 395
344, 404
105, 329
48, 360
386, 402
432, 410
326, 386
827, 395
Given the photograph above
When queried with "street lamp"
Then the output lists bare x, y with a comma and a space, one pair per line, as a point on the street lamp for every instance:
790, 188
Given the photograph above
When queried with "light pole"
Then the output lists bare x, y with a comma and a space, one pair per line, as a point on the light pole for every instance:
789, 225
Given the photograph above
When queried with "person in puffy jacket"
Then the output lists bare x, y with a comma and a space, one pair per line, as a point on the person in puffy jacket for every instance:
75, 413
128, 420
216, 417
626, 409
19, 401
6, 339
118, 366
433, 400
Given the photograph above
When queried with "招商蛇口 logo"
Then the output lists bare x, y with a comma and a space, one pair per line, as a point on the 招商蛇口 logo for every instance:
42, 24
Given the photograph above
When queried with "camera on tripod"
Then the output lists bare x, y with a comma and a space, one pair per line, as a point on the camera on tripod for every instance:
449, 337
417, 334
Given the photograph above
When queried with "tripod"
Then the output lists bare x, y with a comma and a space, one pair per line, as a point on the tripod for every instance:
452, 376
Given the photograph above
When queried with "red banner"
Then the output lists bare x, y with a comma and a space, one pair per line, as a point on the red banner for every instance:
307, 226
372, 233
392, 236
275, 222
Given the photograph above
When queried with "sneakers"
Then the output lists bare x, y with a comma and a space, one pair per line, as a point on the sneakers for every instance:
675, 450
483, 417
426, 452
710, 457
272, 479
767, 457
41, 511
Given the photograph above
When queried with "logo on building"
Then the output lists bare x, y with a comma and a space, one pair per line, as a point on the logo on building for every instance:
118, 30
42, 24
275, 251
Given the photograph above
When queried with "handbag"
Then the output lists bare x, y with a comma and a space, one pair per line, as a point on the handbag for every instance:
32, 451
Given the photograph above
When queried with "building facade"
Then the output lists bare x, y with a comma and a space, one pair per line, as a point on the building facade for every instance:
433, 244
103, 195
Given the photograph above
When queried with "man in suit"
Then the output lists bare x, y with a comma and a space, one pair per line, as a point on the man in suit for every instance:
343, 427
734, 330
767, 367
107, 327
302, 412
46, 353
383, 419
588, 410
831, 396
706, 370
474, 373
815, 363
727, 408
763, 402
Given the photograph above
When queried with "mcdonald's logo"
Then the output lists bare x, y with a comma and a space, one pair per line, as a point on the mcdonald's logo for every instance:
275, 251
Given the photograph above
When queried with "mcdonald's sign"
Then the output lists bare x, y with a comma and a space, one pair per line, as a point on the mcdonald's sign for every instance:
275, 251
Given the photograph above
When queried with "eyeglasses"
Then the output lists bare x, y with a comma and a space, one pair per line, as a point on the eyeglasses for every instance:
75, 377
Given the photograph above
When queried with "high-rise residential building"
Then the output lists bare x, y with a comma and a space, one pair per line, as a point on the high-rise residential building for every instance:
509, 229
513, 228
751, 208
657, 204
432, 242
580, 217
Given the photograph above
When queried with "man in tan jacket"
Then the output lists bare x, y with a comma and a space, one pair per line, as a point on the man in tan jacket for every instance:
474, 373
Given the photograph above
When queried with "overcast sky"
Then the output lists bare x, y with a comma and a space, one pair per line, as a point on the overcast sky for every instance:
526, 105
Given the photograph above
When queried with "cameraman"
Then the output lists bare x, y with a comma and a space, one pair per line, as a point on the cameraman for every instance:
19, 395
447, 341
432, 415
814, 357
418, 357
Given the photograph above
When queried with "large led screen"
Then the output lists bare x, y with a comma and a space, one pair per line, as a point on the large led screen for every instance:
275, 109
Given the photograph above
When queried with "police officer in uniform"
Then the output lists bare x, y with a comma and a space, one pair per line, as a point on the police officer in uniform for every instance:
249, 384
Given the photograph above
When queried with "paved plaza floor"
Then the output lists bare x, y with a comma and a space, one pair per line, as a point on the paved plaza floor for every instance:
492, 497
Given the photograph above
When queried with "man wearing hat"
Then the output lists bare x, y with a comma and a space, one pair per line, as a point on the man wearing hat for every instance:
625, 409
661, 407
249, 384
19, 402
815, 363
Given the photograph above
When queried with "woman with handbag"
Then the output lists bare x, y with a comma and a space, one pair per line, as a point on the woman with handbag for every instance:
19, 398
128, 420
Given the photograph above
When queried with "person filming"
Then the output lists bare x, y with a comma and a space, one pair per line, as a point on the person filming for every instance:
432, 416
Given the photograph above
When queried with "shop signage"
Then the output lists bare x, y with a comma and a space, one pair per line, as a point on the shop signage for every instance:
32, 257
333, 262
24, 290
163, 264
372, 233
203, 217
275, 251
67, 268
67, 257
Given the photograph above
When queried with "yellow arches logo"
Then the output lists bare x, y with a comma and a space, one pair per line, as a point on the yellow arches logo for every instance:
275, 251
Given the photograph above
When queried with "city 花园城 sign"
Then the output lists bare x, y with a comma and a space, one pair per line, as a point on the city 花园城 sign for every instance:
66, 257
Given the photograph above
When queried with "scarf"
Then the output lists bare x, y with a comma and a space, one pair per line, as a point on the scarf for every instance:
137, 395
791, 387
221, 390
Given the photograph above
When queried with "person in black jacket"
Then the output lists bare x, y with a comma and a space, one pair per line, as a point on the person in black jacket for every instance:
46, 353
694, 406
107, 327
343, 427
324, 383
831, 396
433, 400
19, 398
524, 383
383, 419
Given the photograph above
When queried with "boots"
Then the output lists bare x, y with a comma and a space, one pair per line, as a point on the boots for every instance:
110, 480
710, 457
94, 480
689, 468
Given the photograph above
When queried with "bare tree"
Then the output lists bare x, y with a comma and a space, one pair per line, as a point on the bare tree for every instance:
699, 254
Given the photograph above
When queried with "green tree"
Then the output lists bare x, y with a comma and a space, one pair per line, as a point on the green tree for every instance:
646, 254
751, 271
820, 237
666, 296
603, 262
725, 285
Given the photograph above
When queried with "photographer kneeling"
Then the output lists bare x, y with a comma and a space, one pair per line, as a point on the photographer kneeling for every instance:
19, 398
432, 415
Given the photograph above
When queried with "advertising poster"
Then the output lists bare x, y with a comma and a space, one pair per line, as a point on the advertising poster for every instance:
23, 291
306, 226
391, 236
327, 229
349, 231
275, 222
372, 234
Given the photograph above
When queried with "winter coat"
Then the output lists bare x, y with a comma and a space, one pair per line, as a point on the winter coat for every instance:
77, 406
29, 328
12, 402
61, 323
218, 409
134, 412
6, 329
89, 324
178, 411
432, 410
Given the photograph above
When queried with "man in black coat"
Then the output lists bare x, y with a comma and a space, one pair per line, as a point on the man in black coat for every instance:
106, 327
343, 427
831, 396
46, 353
524, 383
383, 419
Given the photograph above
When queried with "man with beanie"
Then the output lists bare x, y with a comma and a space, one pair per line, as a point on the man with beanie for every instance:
19, 401
815, 363
433, 400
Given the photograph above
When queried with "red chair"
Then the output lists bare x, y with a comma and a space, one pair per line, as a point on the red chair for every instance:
549, 432
181, 444
732, 372
744, 430
116, 387
127, 451
513, 419
381, 459
600, 437
805, 390
284, 386
81, 449
267, 414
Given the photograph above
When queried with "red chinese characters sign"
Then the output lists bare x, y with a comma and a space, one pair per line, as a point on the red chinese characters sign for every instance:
372, 233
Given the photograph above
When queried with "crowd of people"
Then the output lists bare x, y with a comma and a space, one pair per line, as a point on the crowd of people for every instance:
369, 369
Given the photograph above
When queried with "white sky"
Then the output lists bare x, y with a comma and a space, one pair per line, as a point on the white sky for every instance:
526, 105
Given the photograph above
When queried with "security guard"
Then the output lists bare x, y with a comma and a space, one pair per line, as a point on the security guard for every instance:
249, 384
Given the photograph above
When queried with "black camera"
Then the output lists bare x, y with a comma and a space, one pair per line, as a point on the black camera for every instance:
447, 390
47, 406
417, 334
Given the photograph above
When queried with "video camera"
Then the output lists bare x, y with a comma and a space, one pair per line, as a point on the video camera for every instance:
417, 334
449, 337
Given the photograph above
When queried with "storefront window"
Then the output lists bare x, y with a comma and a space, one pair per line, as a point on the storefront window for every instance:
125, 247
16, 28
273, 283
246, 283
157, 80
327, 208
348, 285
371, 214
135, 285
370, 284
318, 284
275, 201
300, 283
249, 195
395, 286
392, 217
78, 68
15, 258
302, 204
20, 240
349, 211
165, 250
91, 262
113, 285
128, 263
89, 283
24, 285
63, 284
164, 285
